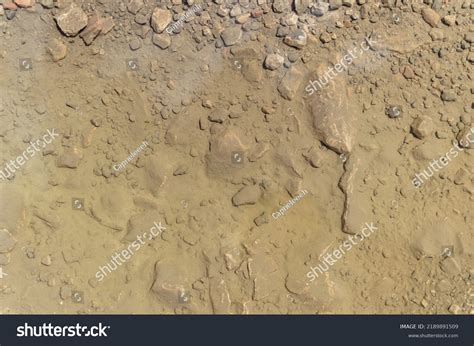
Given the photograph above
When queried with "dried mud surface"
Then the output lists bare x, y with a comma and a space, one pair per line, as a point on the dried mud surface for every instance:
231, 136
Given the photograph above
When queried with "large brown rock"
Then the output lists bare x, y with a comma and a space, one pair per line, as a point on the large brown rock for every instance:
71, 20
160, 19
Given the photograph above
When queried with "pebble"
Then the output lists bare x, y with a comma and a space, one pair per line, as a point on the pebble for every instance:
134, 6
430, 16
296, 39
161, 40
448, 96
273, 61
422, 127
135, 44
320, 9
57, 49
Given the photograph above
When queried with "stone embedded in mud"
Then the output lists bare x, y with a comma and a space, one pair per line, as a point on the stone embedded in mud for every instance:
222, 146
71, 20
329, 108
155, 175
70, 158
107, 24
9, 5
25, 3
296, 39
160, 19
252, 71
247, 195
161, 40
291, 82
7, 241
430, 16
139, 224
220, 297
57, 49
173, 278
231, 35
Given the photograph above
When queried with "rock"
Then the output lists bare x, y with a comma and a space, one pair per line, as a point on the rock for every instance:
449, 20
301, 6
448, 96
296, 39
71, 20
330, 113
273, 61
7, 241
135, 43
107, 24
221, 148
138, 224
422, 127
47, 3
394, 111
173, 278
408, 72
231, 35
348, 3
10, 14
334, 4
220, 297
135, 5
280, 6
319, 9
93, 29
156, 175
9, 5
430, 16
25, 3
469, 37
70, 158
252, 71
160, 19
57, 49
161, 40
291, 82
247, 195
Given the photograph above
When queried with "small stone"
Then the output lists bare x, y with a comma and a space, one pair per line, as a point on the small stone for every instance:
160, 19
291, 82
320, 9
247, 195
297, 39
57, 49
348, 3
7, 241
261, 219
161, 40
422, 127
280, 6
25, 3
135, 44
182, 169
47, 3
231, 35
274, 61
301, 6
46, 260
93, 29
9, 5
71, 20
448, 96
449, 20
454, 309
430, 16
408, 72
10, 14
335, 4
134, 6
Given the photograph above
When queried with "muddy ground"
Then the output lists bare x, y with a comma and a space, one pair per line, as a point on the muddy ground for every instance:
218, 92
